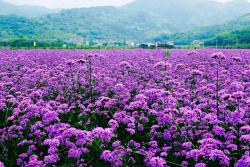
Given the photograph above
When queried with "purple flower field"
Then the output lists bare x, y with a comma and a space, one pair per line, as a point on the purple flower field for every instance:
125, 108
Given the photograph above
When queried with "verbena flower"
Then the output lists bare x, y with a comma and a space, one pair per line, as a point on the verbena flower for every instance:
200, 165
218, 55
156, 162
74, 153
51, 159
244, 161
121, 108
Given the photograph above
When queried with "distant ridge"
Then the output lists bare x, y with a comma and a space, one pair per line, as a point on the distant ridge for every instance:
211, 32
140, 20
24, 10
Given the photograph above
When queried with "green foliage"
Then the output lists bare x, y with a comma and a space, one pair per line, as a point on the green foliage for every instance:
22, 43
238, 39
167, 53
27, 44
103, 23
205, 33
139, 21
16, 27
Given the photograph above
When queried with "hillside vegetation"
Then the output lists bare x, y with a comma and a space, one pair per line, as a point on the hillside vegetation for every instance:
239, 25
181, 21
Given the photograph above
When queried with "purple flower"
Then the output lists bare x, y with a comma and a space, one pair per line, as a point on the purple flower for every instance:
194, 154
103, 134
237, 58
218, 55
52, 142
238, 95
237, 117
106, 155
196, 72
184, 164
113, 124
192, 53
245, 138
74, 153
164, 119
52, 150
111, 157
244, 161
120, 116
116, 144
200, 165
167, 136
218, 130
34, 161
2, 106
140, 106
245, 129
50, 116
51, 159
125, 65
140, 127
156, 162
187, 145
130, 131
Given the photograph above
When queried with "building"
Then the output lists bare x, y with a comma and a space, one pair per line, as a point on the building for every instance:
167, 45
147, 46
143, 46
198, 43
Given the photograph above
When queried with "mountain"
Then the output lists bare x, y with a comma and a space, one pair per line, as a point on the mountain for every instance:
104, 23
24, 10
205, 33
12, 27
140, 20
184, 15
144, 19
238, 38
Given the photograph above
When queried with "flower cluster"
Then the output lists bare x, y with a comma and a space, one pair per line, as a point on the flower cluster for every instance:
125, 108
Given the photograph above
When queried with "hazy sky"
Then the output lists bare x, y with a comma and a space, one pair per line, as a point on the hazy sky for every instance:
74, 3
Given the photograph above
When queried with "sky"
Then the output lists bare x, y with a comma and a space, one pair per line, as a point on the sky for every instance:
74, 3
70, 3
